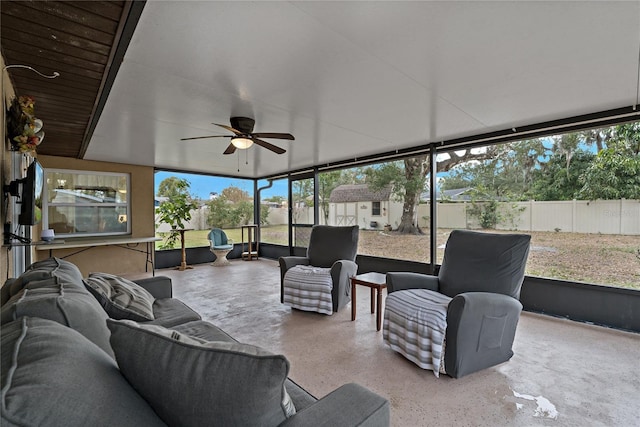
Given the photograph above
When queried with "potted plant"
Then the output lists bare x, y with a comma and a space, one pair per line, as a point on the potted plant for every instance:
176, 210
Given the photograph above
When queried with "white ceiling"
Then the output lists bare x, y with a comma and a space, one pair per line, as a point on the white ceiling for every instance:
349, 79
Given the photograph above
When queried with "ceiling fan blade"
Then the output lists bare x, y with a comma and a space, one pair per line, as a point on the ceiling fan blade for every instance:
230, 149
202, 137
274, 135
229, 128
268, 146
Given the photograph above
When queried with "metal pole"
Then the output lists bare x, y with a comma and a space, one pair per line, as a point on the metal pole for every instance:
432, 209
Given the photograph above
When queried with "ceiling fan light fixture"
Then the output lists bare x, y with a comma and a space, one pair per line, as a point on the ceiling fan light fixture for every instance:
242, 142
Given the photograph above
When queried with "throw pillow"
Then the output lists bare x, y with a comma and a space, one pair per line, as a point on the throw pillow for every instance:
64, 271
121, 298
231, 383
62, 302
53, 376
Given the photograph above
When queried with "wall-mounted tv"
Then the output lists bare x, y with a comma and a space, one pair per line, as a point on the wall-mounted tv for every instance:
31, 196
29, 193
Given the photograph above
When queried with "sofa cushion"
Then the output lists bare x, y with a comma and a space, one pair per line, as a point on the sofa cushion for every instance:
53, 376
65, 271
231, 383
170, 312
204, 331
121, 298
62, 302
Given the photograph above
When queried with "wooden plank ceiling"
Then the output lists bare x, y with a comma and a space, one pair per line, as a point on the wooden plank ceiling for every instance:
78, 40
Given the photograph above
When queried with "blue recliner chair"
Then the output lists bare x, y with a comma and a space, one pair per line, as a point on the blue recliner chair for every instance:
220, 245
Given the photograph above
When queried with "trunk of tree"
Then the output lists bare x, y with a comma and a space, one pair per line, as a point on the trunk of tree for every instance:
416, 170
408, 223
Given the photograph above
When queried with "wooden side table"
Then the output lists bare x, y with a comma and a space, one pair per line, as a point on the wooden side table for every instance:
252, 234
377, 282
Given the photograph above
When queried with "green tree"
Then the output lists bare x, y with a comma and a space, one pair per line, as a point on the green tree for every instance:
176, 210
234, 207
235, 194
615, 172
409, 177
554, 181
302, 197
171, 186
264, 214
327, 181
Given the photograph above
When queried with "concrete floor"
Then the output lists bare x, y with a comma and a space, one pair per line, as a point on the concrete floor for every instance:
563, 373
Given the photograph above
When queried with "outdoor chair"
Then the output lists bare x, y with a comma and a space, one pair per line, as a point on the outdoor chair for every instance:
466, 316
320, 281
220, 245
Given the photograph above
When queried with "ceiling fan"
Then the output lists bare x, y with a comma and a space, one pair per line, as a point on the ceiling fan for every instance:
243, 136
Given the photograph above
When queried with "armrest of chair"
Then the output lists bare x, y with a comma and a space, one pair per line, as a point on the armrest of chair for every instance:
341, 271
397, 281
481, 327
158, 286
349, 405
286, 262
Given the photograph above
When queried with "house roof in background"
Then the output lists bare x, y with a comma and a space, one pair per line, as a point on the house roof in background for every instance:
358, 193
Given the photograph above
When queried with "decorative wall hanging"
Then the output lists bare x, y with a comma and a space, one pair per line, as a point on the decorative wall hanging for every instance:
23, 128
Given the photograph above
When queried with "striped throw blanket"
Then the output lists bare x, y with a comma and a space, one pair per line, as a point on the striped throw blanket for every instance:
309, 288
415, 322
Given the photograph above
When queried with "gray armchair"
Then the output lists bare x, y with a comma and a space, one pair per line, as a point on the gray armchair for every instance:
332, 248
481, 274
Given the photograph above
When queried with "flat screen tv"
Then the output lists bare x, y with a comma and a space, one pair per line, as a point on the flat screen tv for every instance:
31, 195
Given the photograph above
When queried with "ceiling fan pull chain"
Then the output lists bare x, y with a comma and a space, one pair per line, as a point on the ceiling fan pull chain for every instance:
246, 157
238, 161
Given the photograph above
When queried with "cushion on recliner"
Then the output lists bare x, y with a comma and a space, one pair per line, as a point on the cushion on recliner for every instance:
53, 376
329, 244
483, 262
121, 298
193, 383
64, 303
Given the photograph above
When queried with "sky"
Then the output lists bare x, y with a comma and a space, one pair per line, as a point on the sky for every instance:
202, 185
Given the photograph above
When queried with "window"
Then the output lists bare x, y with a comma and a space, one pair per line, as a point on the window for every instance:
576, 194
219, 202
274, 212
375, 208
373, 198
86, 203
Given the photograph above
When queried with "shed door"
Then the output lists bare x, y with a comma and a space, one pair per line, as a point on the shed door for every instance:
346, 214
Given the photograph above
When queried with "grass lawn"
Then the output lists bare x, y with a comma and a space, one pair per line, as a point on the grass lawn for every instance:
591, 258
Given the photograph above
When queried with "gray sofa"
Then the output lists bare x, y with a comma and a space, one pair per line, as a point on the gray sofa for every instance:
74, 355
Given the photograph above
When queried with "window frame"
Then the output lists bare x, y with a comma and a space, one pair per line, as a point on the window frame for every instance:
49, 175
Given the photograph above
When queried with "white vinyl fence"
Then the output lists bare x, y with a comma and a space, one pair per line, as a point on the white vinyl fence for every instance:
578, 216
